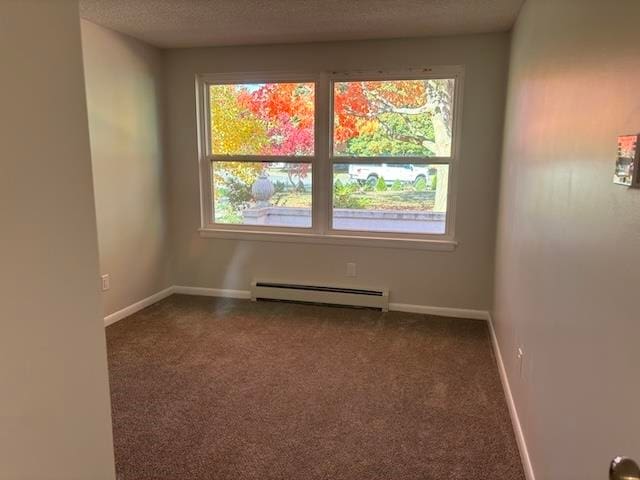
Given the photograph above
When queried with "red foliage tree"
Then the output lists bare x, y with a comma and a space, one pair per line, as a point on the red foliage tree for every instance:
288, 111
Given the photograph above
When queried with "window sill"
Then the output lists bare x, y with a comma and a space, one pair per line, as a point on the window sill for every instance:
343, 240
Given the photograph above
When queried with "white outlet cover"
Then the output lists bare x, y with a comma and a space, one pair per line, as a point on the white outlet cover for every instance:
351, 269
520, 357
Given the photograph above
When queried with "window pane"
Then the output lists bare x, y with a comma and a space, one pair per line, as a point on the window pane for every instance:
393, 118
405, 198
262, 119
255, 193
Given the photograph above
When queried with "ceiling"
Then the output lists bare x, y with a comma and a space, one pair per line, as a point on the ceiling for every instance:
196, 23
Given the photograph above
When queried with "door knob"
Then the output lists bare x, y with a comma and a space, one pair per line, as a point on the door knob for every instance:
624, 469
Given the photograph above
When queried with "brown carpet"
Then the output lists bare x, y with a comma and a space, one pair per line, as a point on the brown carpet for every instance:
206, 388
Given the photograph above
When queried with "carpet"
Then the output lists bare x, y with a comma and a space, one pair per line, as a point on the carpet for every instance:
210, 388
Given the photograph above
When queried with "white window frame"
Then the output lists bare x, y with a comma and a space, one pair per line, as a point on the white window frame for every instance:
322, 162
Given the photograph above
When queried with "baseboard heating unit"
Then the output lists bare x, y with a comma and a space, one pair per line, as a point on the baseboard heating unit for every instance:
324, 294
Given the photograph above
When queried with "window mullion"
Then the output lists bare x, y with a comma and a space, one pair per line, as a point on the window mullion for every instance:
261, 158
322, 176
394, 160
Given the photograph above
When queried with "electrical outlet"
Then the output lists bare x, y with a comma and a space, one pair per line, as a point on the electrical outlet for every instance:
351, 269
520, 358
106, 282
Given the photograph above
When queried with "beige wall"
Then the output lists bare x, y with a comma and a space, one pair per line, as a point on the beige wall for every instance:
460, 279
568, 244
54, 399
123, 81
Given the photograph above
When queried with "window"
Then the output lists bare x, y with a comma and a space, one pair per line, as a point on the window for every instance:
262, 140
366, 156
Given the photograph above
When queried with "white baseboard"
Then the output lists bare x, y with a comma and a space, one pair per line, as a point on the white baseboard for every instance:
136, 307
513, 412
212, 292
246, 294
398, 307
440, 311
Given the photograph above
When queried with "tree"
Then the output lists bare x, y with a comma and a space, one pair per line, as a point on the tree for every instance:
234, 132
411, 115
287, 111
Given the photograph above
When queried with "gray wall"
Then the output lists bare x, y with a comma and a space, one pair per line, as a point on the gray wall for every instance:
460, 279
568, 241
55, 418
124, 90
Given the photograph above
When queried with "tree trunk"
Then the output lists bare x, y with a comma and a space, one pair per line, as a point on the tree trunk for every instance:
441, 130
440, 99
442, 188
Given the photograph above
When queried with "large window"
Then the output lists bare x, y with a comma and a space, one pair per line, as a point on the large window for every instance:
366, 156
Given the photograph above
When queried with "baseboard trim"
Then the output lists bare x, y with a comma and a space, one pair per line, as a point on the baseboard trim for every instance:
513, 412
398, 307
212, 292
246, 294
136, 307
440, 311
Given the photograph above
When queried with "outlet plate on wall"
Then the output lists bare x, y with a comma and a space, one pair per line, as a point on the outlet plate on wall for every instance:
351, 269
520, 358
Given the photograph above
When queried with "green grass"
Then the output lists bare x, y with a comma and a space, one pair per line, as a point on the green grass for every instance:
375, 200
393, 200
292, 199
397, 196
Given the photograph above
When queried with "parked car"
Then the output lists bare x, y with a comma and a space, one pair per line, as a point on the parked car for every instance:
390, 172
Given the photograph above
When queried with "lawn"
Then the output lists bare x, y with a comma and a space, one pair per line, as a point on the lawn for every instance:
406, 199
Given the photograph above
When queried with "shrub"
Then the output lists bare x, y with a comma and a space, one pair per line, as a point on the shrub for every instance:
279, 192
345, 196
397, 186
381, 185
420, 185
238, 192
226, 214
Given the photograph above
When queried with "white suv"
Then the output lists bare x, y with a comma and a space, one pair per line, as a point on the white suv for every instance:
391, 172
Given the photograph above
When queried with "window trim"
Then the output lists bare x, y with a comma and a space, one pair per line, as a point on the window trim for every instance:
440, 245
322, 161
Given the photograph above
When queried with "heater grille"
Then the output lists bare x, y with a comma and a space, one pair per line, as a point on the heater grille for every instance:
317, 293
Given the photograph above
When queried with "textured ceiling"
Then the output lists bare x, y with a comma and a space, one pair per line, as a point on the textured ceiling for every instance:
193, 23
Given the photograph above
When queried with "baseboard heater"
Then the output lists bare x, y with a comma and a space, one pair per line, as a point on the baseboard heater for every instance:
324, 294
